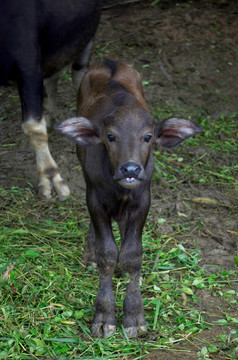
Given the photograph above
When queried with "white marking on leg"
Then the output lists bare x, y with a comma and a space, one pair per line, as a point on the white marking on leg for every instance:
46, 166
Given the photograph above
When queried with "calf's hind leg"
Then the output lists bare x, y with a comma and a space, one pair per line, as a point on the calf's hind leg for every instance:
89, 255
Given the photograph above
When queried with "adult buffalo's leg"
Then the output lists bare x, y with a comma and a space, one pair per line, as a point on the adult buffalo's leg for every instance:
34, 126
50, 98
130, 262
80, 66
47, 168
104, 323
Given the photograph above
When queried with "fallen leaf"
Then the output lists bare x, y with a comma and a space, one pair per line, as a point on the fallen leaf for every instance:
204, 200
6, 274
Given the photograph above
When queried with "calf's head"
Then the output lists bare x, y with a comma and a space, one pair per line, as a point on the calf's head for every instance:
128, 135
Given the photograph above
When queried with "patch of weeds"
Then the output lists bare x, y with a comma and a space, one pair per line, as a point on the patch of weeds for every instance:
66, 75
47, 295
166, 110
173, 168
170, 288
226, 347
229, 342
204, 353
205, 164
220, 134
103, 50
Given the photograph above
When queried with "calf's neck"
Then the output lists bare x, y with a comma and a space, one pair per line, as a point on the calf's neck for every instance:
115, 133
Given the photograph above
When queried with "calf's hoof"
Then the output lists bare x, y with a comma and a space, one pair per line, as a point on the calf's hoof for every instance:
92, 265
102, 330
133, 331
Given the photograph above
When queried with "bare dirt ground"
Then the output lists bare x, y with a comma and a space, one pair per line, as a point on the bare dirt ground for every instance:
187, 53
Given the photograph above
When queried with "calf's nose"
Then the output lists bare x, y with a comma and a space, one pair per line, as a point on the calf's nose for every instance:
130, 170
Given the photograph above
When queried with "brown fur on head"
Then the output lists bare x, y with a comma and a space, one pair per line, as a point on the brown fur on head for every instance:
95, 86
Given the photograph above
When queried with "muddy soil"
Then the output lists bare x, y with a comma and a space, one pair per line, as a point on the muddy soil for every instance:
186, 52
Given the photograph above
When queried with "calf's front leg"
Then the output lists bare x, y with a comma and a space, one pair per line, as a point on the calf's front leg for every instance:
104, 322
130, 262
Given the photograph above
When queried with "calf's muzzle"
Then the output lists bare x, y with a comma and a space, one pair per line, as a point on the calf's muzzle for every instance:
130, 170
129, 174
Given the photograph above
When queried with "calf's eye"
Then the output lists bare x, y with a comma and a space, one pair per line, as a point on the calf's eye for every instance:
111, 137
147, 138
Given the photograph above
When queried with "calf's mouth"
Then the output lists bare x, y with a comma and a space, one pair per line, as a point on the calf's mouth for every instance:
129, 182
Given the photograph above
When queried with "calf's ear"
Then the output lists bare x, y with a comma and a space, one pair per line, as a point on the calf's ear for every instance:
80, 130
173, 131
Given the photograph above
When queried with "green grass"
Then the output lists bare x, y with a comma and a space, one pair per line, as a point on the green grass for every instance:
214, 151
47, 294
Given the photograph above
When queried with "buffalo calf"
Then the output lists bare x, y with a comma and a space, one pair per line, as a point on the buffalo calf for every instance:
115, 133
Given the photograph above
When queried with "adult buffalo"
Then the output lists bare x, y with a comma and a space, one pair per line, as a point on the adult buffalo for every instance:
38, 38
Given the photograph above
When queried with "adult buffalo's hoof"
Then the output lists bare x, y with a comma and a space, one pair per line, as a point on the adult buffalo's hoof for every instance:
102, 330
47, 183
132, 331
